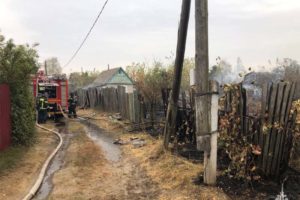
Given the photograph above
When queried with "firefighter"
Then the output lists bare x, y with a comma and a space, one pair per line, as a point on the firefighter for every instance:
72, 106
42, 106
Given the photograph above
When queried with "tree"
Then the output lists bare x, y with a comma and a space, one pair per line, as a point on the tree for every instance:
52, 66
78, 80
17, 63
188, 64
150, 81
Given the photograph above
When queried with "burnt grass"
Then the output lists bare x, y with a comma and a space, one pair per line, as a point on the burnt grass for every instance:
264, 189
241, 189
267, 188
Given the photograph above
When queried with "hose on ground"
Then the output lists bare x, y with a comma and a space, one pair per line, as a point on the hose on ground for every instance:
62, 112
41, 176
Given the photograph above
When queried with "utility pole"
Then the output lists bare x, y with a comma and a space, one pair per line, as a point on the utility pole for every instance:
170, 126
205, 122
46, 70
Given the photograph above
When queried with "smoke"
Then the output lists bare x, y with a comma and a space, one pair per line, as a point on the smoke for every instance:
224, 73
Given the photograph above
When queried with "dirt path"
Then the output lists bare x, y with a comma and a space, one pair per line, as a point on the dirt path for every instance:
170, 177
89, 173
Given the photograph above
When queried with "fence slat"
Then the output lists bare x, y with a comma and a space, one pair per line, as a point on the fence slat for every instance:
281, 132
274, 130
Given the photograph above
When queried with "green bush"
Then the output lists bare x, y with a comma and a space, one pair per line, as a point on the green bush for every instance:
17, 63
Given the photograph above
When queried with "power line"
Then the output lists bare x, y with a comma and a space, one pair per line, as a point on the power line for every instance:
87, 35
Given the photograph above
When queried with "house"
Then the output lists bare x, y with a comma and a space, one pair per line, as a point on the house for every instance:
114, 78
88, 96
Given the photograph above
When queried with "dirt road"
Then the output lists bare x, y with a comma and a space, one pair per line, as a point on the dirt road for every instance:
90, 166
95, 168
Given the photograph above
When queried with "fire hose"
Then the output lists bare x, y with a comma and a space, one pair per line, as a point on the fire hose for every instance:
45, 166
41, 176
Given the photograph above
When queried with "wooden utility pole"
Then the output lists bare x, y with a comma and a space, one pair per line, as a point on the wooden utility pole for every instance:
46, 70
206, 140
170, 126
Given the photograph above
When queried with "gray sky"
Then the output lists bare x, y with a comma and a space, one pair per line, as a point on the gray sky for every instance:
144, 30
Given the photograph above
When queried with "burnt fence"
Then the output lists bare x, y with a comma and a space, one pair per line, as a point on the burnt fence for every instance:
269, 131
259, 120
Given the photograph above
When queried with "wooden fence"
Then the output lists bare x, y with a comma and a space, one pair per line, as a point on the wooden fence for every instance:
265, 122
113, 100
271, 130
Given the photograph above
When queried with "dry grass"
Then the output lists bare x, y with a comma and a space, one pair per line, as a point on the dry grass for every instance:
19, 174
11, 157
173, 174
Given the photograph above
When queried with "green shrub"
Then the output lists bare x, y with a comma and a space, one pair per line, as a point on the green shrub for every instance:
17, 63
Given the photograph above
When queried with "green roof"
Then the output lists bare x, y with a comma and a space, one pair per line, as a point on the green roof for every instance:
113, 76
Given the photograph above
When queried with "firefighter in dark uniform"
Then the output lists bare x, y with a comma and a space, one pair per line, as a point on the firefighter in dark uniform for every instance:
72, 106
42, 106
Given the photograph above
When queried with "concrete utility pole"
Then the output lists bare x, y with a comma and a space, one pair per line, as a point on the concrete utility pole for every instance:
170, 126
206, 140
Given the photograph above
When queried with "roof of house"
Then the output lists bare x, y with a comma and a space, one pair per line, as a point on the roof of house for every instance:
105, 76
111, 76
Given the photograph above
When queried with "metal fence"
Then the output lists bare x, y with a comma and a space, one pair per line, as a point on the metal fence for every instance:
5, 120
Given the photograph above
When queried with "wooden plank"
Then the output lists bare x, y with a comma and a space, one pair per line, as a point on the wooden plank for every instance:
264, 101
104, 99
136, 107
286, 126
279, 142
243, 109
119, 100
110, 102
267, 89
130, 107
274, 130
271, 112
124, 102
289, 145
106, 107
115, 100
